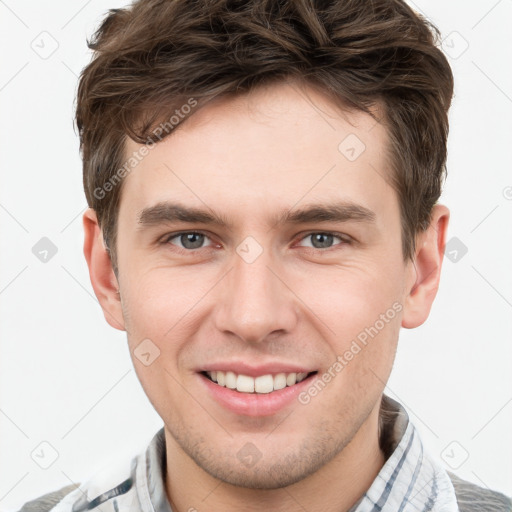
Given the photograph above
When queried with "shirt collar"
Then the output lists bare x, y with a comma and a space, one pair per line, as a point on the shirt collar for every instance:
410, 480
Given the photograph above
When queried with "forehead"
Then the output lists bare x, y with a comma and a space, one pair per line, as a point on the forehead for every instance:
276, 146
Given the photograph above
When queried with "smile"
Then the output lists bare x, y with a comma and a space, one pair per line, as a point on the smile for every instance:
262, 384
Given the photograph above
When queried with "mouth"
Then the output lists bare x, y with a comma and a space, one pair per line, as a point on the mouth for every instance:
260, 385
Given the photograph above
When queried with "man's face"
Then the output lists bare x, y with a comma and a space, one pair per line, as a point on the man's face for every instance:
260, 297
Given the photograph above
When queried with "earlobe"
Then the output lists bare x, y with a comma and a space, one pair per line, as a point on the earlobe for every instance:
101, 273
425, 271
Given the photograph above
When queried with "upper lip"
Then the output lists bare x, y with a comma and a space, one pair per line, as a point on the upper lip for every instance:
241, 368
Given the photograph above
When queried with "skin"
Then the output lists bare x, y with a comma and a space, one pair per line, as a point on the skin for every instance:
249, 158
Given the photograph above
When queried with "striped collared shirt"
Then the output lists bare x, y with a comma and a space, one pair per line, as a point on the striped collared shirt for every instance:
410, 480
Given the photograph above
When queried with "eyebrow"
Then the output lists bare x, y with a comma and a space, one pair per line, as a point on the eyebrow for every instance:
344, 211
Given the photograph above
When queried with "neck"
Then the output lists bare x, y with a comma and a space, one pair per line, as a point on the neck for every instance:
335, 487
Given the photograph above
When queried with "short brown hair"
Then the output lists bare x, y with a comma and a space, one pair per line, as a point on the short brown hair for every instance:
154, 56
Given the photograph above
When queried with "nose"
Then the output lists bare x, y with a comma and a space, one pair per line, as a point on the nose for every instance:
256, 301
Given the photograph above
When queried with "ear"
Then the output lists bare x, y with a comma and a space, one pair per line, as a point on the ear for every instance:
425, 270
101, 273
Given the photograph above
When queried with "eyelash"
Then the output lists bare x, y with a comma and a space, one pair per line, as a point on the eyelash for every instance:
344, 240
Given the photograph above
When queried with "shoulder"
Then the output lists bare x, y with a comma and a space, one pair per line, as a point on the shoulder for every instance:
95, 494
110, 488
472, 497
48, 501
119, 484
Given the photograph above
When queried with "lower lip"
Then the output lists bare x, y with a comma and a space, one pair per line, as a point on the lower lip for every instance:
255, 404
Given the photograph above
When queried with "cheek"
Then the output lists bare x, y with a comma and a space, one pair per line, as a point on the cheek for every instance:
162, 305
360, 309
348, 299
159, 309
156, 296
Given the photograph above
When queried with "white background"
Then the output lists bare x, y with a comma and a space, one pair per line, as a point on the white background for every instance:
66, 376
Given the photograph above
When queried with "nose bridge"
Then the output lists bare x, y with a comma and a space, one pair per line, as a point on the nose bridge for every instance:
254, 302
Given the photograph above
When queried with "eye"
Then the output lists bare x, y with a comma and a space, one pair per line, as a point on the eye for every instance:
193, 240
323, 240
188, 240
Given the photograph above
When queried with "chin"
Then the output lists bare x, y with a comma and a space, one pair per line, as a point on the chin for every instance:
265, 477
268, 469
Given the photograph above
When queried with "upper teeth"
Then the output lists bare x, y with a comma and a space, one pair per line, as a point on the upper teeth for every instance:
262, 384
